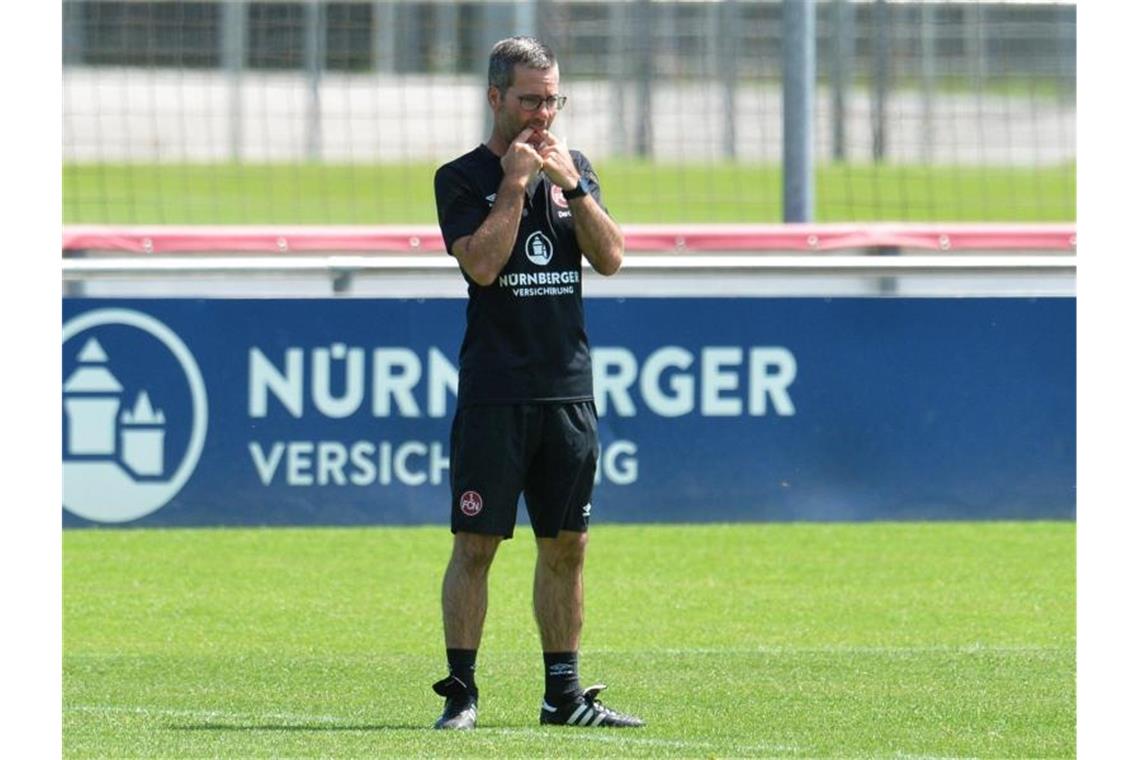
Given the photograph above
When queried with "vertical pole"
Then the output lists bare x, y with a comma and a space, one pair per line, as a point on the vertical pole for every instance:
643, 40
975, 46
445, 45
726, 41
73, 32
982, 42
799, 95
842, 55
928, 52
233, 39
618, 69
411, 42
881, 30
384, 36
314, 31
1064, 41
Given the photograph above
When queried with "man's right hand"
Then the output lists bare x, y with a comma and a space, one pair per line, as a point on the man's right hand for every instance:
521, 162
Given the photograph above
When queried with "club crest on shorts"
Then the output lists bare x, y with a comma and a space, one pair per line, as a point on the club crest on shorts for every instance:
539, 249
470, 503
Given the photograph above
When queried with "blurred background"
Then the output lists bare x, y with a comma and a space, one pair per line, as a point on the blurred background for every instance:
313, 112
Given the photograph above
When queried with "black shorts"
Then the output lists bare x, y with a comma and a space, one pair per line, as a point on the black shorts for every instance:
548, 452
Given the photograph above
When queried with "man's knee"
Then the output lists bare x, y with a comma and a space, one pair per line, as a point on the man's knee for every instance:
474, 552
564, 554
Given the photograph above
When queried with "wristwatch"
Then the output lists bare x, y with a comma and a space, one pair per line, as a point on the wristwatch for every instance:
575, 192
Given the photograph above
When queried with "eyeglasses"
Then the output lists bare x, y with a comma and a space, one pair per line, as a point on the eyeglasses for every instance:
533, 102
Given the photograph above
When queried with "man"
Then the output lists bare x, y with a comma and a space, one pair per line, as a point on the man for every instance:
518, 213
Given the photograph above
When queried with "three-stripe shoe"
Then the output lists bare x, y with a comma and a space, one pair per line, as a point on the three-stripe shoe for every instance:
586, 711
460, 707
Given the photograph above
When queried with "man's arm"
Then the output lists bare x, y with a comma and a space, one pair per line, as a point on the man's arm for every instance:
599, 237
484, 253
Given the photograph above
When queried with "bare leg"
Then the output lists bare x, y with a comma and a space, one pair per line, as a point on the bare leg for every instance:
558, 594
465, 589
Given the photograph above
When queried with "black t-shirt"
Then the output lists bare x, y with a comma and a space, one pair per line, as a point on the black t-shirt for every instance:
526, 334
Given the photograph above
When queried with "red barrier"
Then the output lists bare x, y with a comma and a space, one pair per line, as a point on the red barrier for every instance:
680, 237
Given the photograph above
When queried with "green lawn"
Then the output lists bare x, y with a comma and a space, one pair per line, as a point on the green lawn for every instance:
863, 641
636, 192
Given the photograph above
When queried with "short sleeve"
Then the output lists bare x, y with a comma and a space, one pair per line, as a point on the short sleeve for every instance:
460, 210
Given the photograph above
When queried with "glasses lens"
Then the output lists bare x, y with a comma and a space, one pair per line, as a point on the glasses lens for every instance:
534, 102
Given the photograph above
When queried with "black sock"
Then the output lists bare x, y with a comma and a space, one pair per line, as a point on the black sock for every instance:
561, 676
461, 664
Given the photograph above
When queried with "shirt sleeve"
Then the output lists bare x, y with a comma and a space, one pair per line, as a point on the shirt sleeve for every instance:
460, 210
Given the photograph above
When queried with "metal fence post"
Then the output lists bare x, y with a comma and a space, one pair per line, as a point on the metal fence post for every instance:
384, 36
727, 34
315, 33
842, 56
445, 38
880, 25
74, 33
928, 51
233, 39
799, 96
618, 70
643, 36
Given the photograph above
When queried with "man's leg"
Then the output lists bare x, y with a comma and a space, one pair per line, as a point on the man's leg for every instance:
558, 491
558, 609
558, 593
465, 589
464, 610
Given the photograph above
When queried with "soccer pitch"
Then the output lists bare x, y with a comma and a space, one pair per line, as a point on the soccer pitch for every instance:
751, 640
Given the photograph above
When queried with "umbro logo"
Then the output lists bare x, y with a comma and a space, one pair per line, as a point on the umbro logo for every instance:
586, 510
491, 199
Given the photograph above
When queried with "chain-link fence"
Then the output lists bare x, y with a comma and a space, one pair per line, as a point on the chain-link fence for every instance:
338, 112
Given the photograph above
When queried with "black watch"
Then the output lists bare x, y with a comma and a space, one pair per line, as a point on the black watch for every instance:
575, 192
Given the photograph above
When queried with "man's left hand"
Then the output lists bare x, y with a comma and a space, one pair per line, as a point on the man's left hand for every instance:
558, 164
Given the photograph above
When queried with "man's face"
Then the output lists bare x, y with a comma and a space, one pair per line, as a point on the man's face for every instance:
511, 114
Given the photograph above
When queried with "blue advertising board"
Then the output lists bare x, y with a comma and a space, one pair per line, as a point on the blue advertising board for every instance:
337, 411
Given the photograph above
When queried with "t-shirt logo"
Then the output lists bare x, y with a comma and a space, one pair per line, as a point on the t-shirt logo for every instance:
539, 249
558, 198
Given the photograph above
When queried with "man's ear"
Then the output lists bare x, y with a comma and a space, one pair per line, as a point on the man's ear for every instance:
494, 97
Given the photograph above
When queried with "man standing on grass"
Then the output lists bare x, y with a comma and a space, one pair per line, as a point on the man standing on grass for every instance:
518, 213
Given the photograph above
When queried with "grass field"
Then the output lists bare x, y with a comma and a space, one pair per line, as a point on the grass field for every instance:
635, 192
854, 641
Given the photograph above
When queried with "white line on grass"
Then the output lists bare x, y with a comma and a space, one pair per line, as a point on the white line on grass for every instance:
843, 649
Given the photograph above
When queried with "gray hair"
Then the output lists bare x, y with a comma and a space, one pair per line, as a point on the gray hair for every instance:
506, 54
